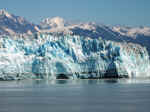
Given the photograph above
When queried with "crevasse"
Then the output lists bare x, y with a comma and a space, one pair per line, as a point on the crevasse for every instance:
53, 57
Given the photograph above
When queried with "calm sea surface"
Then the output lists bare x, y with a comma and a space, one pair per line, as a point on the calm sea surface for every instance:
125, 95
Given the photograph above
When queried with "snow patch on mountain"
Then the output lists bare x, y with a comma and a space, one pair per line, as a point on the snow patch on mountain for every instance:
132, 31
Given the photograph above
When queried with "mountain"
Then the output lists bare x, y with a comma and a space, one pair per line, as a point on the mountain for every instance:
12, 25
58, 25
55, 22
132, 31
55, 25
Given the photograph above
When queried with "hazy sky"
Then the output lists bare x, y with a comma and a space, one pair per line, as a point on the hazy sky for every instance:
110, 12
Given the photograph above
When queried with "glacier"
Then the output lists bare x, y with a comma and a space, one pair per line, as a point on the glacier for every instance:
46, 56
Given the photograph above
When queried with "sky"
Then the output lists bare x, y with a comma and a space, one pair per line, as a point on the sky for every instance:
110, 12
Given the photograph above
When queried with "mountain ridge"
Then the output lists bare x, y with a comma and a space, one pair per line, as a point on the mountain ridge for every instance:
47, 24
11, 24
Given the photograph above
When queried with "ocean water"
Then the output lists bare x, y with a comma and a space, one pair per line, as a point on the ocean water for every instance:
123, 95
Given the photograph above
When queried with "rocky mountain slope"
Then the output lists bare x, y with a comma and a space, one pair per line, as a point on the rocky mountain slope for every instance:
13, 25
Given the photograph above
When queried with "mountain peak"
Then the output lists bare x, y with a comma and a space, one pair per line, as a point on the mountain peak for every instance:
3, 12
11, 24
54, 22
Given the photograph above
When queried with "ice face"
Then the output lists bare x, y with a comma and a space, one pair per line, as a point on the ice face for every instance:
51, 57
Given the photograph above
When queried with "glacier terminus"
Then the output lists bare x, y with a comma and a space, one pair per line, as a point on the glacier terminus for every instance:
46, 56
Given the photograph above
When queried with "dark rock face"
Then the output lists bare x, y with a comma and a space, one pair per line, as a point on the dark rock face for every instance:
62, 76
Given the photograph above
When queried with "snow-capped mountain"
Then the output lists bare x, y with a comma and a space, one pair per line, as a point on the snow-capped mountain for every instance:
59, 26
12, 25
55, 22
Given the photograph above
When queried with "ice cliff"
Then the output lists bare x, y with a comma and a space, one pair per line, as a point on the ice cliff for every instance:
51, 57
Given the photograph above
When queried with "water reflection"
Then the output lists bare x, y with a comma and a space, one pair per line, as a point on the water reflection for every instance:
22, 83
111, 81
75, 95
61, 81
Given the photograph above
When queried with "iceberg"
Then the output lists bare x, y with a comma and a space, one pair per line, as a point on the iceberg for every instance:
47, 56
